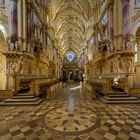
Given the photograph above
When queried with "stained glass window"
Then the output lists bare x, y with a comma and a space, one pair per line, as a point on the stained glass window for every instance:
70, 55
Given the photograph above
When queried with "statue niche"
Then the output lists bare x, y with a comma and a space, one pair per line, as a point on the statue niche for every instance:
24, 86
117, 86
105, 46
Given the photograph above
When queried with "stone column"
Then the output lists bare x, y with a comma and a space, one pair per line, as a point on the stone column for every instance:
19, 9
131, 12
137, 65
13, 21
125, 20
118, 24
138, 49
29, 23
44, 37
24, 25
13, 38
111, 29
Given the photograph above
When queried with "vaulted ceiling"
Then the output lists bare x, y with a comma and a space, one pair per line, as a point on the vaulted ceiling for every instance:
70, 20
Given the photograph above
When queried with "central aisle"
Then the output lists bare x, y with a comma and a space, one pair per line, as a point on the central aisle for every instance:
72, 115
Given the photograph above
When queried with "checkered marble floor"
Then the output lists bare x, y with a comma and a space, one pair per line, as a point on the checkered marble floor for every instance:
71, 116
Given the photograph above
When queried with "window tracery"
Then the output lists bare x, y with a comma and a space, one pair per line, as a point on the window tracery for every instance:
70, 55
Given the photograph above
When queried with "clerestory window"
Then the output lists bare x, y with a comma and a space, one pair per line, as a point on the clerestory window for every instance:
2, 3
70, 55
137, 3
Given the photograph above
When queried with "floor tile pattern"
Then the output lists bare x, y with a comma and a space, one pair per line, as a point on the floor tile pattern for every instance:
117, 122
71, 121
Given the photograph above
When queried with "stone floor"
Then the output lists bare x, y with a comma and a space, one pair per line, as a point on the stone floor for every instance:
71, 116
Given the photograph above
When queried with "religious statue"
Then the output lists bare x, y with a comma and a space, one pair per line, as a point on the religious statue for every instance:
116, 85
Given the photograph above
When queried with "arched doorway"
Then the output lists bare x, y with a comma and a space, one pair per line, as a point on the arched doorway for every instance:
3, 49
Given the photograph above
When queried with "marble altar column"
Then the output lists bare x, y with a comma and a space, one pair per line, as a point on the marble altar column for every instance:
20, 28
29, 23
13, 21
125, 20
118, 37
24, 25
111, 27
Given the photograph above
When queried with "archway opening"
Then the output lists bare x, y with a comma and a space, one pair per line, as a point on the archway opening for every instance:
71, 67
3, 49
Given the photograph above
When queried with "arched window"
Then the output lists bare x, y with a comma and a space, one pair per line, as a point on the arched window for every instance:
136, 53
2, 29
70, 55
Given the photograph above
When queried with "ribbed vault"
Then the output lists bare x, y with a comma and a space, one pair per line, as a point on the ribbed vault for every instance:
70, 20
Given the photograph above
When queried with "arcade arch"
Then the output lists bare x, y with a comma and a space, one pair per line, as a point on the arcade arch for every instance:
3, 49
